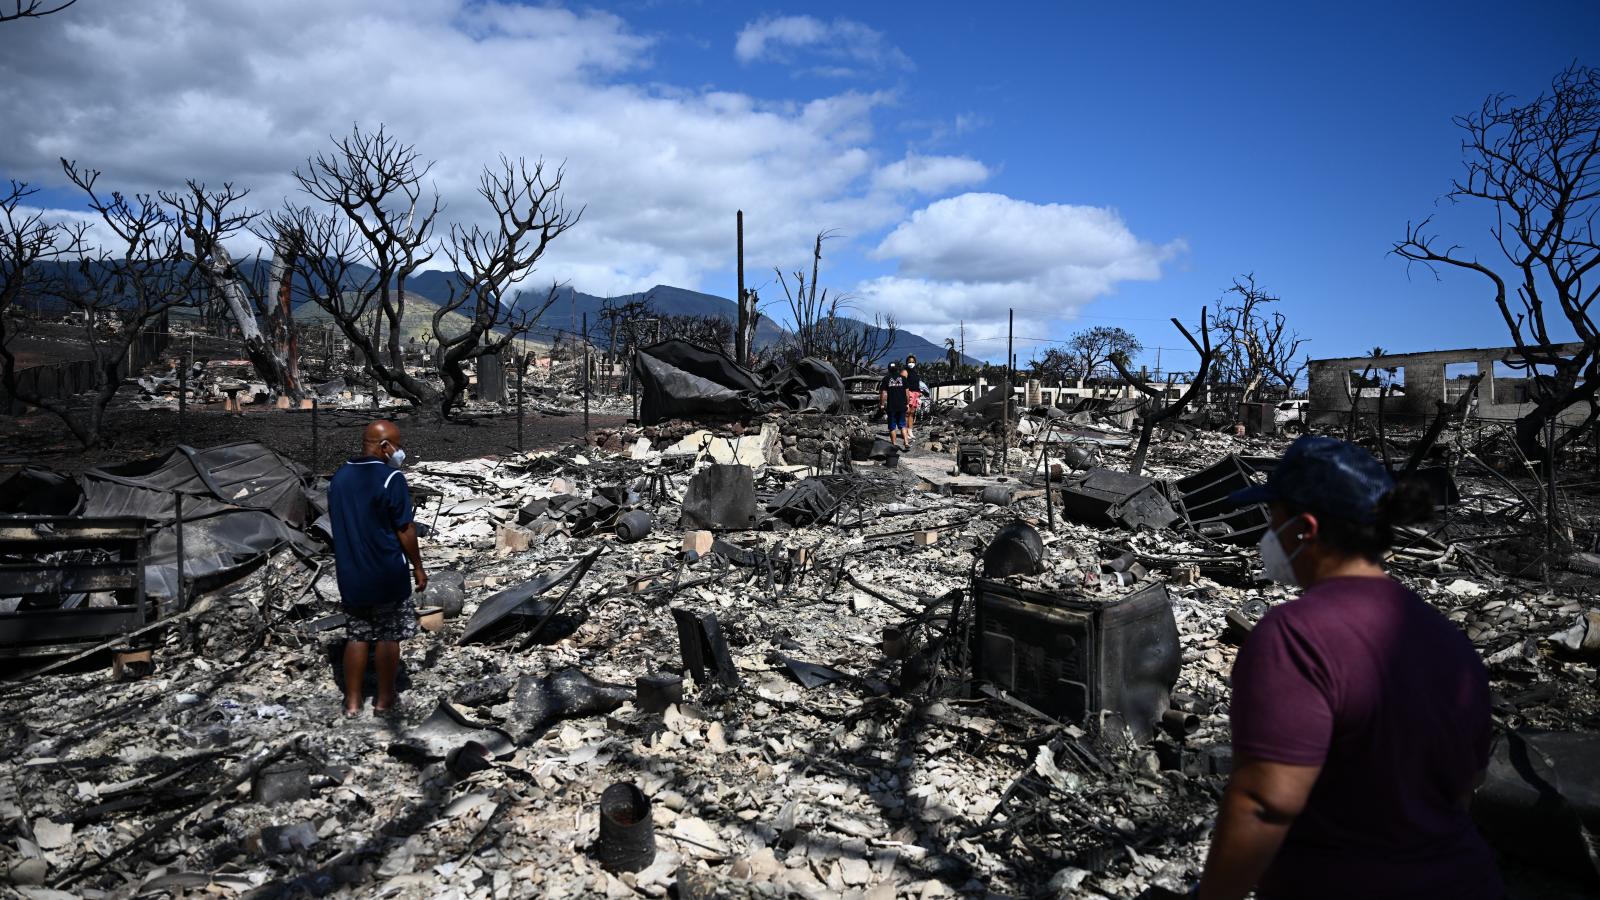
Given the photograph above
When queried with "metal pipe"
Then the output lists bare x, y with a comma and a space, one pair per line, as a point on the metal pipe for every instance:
521, 371
180, 599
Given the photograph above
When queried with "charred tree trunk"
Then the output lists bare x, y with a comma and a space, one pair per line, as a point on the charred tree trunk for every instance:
224, 277
280, 318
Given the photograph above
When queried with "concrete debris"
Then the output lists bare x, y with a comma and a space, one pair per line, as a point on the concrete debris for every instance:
742, 658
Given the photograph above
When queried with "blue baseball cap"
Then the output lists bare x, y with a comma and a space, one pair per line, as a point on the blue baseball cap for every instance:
1325, 475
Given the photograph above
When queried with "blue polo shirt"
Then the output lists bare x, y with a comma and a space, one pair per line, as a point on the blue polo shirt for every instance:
368, 502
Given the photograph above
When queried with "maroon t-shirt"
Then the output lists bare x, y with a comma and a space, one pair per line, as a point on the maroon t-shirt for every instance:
1361, 677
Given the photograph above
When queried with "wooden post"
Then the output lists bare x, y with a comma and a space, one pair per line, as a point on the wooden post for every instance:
183, 393
586, 375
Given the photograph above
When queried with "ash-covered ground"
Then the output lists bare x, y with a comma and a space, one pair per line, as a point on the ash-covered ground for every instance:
841, 764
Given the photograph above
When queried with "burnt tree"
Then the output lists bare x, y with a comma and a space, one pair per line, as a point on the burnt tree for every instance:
1157, 410
528, 215
371, 230
31, 9
1537, 165
1254, 346
263, 314
123, 287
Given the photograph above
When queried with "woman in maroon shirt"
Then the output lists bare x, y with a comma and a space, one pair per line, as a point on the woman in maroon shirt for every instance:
1360, 715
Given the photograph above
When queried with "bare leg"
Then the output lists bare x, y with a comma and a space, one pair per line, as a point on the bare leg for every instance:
388, 668
355, 668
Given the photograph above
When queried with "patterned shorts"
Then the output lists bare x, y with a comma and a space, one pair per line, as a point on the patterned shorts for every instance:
382, 623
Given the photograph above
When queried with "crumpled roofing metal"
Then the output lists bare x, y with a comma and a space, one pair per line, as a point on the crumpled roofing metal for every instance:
678, 379
241, 502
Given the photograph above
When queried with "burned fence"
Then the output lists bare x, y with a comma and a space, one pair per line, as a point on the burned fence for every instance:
70, 582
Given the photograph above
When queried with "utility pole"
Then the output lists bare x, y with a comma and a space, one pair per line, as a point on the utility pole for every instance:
586, 374
741, 349
1005, 423
962, 324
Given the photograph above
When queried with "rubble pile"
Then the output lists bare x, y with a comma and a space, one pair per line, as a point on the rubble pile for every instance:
731, 660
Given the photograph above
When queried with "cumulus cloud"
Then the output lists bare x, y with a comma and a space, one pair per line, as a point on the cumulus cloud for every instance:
973, 256
929, 174
840, 48
156, 93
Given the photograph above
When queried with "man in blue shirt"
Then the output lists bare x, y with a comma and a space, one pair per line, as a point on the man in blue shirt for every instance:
375, 553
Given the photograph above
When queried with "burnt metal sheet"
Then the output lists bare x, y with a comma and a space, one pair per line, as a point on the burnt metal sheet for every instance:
704, 649
1072, 657
1203, 500
720, 498
679, 380
241, 502
540, 700
446, 730
808, 383
1106, 497
1540, 800
809, 674
511, 609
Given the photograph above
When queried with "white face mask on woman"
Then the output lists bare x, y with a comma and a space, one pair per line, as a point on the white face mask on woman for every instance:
1276, 563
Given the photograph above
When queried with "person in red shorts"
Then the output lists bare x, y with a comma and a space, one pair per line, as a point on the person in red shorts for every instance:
915, 388
1360, 714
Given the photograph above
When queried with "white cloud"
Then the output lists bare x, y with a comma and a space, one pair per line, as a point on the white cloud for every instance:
156, 93
971, 257
841, 48
929, 174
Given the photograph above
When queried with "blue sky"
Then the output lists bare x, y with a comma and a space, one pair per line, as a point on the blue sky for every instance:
1099, 163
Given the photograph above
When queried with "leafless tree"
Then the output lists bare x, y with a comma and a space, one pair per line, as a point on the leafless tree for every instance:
820, 327
711, 332
619, 317
372, 230
1255, 345
1538, 165
32, 9
122, 288
854, 347
1157, 409
261, 309
529, 215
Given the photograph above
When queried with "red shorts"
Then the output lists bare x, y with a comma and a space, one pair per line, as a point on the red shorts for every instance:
913, 399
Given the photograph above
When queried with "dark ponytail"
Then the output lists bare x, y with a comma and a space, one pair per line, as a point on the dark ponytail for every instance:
1407, 503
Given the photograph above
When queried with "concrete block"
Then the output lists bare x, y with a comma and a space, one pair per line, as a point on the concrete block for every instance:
131, 664
512, 538
925, 538
431, 618
698, 542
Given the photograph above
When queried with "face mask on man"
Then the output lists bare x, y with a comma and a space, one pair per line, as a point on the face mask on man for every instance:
1276, 563
397, 458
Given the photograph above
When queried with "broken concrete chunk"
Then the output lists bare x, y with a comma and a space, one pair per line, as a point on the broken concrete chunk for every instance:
513, 538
